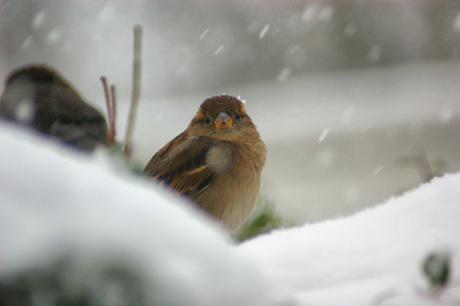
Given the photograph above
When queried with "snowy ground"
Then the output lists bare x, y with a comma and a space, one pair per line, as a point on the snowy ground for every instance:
83, 227
371, 258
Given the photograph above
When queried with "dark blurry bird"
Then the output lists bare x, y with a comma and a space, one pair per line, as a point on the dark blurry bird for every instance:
216, 162
38, 97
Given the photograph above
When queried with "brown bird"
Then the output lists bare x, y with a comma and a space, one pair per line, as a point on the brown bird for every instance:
216, 162
38, 97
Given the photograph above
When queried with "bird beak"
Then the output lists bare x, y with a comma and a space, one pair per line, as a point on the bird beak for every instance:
223, 121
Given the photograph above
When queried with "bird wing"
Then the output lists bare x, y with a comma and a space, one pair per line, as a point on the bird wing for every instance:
184, 165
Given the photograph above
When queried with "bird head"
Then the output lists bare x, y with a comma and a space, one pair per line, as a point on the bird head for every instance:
222, 117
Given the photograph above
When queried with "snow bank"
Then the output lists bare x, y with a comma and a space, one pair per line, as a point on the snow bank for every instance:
80, 228
105, 231
373, 257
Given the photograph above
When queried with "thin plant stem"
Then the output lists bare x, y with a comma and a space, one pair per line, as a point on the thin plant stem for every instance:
108, 104
135, 90
113, 111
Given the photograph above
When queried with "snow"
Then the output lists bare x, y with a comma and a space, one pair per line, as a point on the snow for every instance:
323, 134
205, 32
456, 24
264, 31
219, 50
59, 205
284, 75
56, 204
374, 54
360, 258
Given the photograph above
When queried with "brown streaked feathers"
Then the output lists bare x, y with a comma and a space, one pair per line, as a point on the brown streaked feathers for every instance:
216, 161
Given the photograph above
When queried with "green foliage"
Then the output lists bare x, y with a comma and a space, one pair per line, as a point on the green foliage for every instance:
263, 220
64, 282
437, 268
115, 153
427, 169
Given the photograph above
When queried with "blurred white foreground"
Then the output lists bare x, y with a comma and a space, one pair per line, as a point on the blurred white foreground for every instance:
57, 206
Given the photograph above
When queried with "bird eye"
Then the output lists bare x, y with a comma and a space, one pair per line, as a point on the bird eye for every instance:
207, 121
237, 116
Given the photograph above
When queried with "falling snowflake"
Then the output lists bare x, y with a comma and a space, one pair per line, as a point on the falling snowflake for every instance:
284, 75
323, 135
309, 13
377, 170
53, 36
347, 115
326, 13
219, 50
264, 31
38, 20
374, 54
24, 111
456, 24
205, 32
350, 31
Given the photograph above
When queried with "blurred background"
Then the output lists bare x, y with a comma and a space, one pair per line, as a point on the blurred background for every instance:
357, 100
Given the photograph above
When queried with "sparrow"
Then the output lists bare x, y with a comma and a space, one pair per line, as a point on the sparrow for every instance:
216, 162
38, 97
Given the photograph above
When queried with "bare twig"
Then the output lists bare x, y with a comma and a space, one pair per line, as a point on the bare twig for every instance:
113, 108
136, 89
107, 98
108, 106
110, 102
